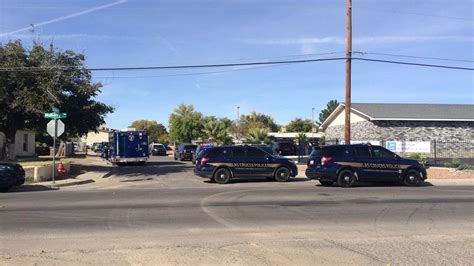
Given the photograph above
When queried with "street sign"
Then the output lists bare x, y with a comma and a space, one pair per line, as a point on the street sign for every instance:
59, 130
55, 115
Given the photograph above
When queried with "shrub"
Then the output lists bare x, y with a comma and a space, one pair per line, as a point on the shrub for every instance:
465, 167
418, 156
455, 163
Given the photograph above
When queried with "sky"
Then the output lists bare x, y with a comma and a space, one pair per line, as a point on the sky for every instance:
114, 33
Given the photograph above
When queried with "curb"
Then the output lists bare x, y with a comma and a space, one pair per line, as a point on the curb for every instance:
75, 183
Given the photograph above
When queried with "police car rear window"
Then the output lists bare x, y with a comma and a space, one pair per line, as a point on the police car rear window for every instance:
362, 151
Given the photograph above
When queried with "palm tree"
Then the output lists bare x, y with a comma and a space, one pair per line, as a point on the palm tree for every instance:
258, 136
216, 131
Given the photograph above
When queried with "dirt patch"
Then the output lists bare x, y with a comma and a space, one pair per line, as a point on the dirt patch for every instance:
433, 173
448, 173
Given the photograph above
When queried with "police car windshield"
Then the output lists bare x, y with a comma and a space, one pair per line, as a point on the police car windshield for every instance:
190, 147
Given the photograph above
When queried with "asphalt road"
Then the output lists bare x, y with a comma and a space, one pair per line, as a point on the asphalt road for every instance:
162, 213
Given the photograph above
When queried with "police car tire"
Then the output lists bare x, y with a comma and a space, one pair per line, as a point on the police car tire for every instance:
341, 179
412, 178
282, 174
222, 176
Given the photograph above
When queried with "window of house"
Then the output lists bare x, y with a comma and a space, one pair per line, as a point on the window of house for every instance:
25, 142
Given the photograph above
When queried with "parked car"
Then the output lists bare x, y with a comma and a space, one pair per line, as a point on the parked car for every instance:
185, 151
157, 149
11, 175
221, 164
284, 148
347, 164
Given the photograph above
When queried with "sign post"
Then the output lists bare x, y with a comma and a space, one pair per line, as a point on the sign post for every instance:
55, 128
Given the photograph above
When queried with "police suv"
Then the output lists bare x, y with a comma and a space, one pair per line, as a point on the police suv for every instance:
346, 164
221, 164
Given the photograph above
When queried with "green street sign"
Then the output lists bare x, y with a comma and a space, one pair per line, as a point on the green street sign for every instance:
55, 115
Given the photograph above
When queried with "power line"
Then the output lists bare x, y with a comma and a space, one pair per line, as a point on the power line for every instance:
69, 68
412, 64
414, 56
179, 67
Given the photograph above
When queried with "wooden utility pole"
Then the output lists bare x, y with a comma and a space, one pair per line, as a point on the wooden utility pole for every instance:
347, 131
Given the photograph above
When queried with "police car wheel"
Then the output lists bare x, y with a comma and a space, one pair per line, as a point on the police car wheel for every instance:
282, 174
222, 176
412, 178
346, 178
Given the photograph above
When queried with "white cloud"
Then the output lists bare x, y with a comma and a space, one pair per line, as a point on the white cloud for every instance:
357, 40
74, 36
61, 18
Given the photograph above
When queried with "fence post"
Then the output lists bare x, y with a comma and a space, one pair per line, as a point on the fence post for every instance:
434, 148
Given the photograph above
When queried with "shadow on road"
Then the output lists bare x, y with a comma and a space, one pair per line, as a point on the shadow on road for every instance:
150, 169
259, 180
31, 188
378, 184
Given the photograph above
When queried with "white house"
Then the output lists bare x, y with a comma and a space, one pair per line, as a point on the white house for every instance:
24, 143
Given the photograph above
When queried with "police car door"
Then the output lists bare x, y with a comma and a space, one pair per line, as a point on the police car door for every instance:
237, 161
388, 164
258, 162
364, 162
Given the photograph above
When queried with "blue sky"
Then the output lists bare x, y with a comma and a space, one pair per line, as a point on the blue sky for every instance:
145, 32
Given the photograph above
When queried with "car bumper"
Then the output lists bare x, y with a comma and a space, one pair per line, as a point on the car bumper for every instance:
317, 174
203, 174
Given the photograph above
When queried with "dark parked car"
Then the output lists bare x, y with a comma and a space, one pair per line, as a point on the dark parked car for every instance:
346, 164
221, 164
184, 151
157, 149
284, 148
11, 175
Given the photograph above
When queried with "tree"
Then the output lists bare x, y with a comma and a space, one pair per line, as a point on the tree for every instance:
299, 125
185, 124
258, 136
256, 121
156, 132
217, 131
330, 107
26, 95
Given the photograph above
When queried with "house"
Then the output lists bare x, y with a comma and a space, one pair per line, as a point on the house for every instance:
448, 127
102, 135
24, 143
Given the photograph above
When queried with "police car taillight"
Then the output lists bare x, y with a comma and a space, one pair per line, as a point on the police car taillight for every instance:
325, 160
204, 161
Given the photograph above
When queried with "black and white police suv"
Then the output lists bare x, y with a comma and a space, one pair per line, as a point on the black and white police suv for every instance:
346, 164
221, 164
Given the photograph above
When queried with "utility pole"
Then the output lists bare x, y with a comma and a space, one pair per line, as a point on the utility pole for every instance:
347, 131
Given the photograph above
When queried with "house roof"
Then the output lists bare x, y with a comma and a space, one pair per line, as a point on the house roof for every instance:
408, 112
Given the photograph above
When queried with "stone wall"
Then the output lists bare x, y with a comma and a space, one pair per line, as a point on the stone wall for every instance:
448, 139
406, 130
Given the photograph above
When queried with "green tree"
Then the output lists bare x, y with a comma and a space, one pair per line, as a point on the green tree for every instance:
299, 125
217, 131
26, 95
258, 136
330, 107
185, 124
156, 131
255, 121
